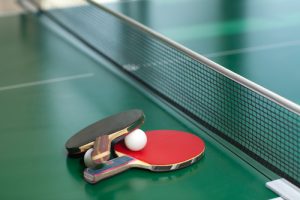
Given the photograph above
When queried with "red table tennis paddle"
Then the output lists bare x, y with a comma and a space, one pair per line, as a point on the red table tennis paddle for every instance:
166, 150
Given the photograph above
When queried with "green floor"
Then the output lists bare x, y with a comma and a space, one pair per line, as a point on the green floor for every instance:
49, 89
259, 40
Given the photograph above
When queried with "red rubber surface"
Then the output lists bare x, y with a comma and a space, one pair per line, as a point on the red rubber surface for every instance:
166, 147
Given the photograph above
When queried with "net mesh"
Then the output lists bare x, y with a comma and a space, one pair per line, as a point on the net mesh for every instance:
263, 129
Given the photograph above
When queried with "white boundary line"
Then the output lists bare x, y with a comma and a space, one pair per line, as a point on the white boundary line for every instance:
253, 49
284, 189
44, 82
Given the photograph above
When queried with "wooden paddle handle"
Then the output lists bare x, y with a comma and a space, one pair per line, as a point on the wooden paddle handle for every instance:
110, 168
101, 152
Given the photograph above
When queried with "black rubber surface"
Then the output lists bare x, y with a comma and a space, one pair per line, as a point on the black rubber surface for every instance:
104, 126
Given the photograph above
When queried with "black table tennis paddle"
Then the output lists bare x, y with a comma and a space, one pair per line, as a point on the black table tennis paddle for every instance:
105, 131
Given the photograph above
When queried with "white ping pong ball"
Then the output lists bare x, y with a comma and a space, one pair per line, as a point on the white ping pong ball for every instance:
88, 159
136, 140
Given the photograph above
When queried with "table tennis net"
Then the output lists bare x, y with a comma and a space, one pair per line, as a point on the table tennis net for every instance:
267, 131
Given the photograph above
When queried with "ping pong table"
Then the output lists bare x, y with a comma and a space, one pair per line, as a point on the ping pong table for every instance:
53, 84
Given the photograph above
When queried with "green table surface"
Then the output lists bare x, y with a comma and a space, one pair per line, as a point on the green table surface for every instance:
258, 39
50, 89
